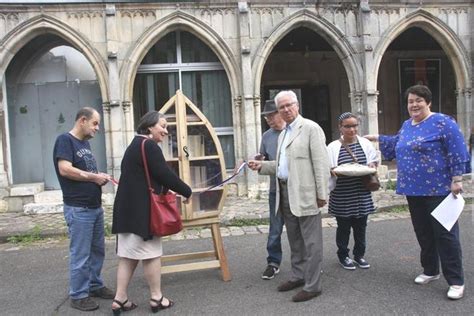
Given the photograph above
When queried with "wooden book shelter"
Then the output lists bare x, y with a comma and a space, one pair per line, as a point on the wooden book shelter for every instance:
193, 150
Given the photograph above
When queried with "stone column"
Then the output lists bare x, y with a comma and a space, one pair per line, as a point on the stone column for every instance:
247, 113
3, 135
464, 111
116, 127
367, 108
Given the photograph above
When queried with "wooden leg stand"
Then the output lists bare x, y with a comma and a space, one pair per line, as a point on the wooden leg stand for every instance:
218, 258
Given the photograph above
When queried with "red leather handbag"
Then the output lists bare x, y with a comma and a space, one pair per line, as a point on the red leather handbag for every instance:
165, 218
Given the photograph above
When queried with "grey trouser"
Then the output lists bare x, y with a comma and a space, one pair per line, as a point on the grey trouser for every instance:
305, 236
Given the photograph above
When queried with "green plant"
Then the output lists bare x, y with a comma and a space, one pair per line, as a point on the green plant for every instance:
398, 209
108, 230
33, 235
249, 222
391, 185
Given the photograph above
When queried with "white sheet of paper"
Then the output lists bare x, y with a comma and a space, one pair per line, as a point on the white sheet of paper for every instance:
448, 211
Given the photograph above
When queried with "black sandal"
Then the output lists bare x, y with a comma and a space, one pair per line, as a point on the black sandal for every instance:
122, 307
160, 306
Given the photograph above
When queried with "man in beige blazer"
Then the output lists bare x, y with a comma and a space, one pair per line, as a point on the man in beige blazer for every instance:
302, 170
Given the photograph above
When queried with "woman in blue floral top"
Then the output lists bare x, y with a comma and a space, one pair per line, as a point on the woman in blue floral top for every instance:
431, 158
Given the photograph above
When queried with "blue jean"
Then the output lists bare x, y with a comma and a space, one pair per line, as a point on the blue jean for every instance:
86, 249
274, 234
436, 243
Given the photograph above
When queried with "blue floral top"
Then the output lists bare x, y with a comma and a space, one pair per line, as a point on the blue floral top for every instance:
428, 155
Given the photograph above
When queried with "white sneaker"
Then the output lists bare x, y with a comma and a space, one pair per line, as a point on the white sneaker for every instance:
425, 279
456, 292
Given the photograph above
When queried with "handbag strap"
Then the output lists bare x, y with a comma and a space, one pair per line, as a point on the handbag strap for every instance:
349, 151
145, 165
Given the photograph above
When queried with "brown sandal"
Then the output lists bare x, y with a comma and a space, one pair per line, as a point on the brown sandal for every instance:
160, 306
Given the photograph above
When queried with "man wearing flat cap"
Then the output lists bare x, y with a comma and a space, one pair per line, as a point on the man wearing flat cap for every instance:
268, 150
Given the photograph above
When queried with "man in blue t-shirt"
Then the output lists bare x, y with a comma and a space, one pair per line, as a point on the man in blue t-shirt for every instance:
81, 183
268, 150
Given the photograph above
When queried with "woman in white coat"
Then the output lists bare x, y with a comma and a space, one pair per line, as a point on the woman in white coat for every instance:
349, 201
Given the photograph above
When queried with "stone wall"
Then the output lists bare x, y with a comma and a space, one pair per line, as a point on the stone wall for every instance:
114, 38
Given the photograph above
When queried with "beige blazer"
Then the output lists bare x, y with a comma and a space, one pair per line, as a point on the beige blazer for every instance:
308, 167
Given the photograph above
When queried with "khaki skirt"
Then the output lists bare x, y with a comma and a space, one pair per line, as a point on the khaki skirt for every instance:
132, 246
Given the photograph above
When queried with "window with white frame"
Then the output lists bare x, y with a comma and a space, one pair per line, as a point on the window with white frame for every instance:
182, 61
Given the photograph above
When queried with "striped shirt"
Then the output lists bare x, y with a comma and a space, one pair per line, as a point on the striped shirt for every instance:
349, 198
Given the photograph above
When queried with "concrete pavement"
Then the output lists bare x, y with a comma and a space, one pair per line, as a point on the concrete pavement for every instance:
34, 279
235, 207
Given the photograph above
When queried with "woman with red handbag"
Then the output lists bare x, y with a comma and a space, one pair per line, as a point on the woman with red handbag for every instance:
131, 216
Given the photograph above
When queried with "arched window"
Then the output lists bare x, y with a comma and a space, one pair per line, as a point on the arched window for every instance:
181, 61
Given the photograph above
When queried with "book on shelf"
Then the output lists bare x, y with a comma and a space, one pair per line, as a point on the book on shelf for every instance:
167, 147
196, 145
196, 200
198, 176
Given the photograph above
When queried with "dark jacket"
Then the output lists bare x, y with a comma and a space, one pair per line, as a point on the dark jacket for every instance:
132, 203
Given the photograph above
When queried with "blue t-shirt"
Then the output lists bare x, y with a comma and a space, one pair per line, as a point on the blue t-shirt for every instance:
428, 155
78, 152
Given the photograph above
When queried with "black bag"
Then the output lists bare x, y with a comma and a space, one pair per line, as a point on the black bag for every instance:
371, 182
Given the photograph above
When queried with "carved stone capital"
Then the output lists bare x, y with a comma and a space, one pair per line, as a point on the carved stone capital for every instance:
106, 107
126, 105
467, 92
256, 101
238, 101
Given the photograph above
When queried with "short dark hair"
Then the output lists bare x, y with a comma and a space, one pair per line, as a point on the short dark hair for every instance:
419, 90
148, 120
87, 112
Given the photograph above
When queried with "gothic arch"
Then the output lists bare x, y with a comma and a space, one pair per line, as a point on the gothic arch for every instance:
177, 21
41, 24
328, 31
441, 32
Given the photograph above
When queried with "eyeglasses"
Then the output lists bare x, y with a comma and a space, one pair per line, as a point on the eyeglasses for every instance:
287, 106
350, 126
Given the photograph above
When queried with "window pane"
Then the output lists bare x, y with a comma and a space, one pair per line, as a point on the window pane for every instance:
210, 92
227, 143
193, 50
152, 91
163, 52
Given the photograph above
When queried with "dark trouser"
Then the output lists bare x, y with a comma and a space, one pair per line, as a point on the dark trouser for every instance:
343, 232
435, 241
274, 233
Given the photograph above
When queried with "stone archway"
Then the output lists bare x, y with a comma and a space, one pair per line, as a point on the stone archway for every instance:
14, 44
177, 21
26, 31
328, 31
451, 45
172, 22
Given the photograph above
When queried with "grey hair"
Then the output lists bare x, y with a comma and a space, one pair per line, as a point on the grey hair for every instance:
283, 93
